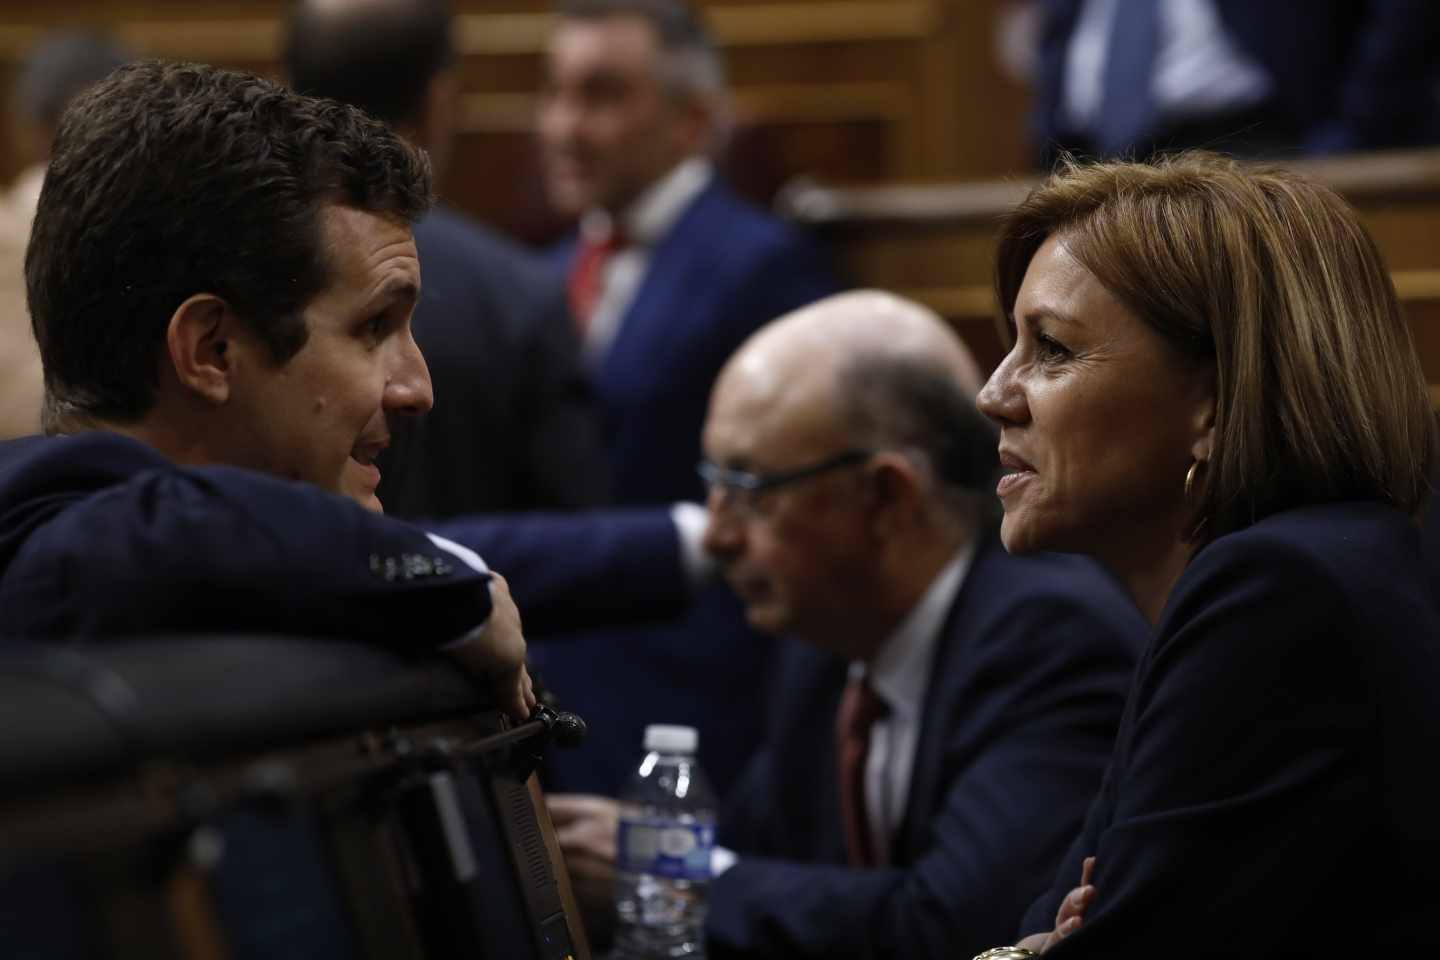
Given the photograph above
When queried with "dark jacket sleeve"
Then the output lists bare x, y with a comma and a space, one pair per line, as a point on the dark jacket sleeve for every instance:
220, 550
1242, 765
583, 569
1022, 759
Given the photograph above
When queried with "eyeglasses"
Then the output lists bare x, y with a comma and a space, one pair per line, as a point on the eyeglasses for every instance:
746, 487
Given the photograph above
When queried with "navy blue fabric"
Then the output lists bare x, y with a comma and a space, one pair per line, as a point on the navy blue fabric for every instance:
579, 570
1025, 696
1348, 75
1270, 794
101, 536
722, 271
513, 426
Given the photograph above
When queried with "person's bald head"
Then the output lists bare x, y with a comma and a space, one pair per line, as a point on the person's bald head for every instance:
866, 369
878, 394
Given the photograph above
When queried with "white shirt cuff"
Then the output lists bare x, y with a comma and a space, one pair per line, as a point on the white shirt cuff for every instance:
722, 859
472, 560
690, 521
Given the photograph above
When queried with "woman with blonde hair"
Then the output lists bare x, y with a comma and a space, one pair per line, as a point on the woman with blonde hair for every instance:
1213, 391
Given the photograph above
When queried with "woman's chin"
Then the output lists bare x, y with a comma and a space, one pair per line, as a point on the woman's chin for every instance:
1019, 537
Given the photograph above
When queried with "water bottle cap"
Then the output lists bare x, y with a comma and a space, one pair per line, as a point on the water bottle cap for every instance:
668, 738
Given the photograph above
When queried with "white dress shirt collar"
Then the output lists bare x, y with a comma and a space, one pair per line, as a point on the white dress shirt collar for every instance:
646, 222
900, 674
658, 209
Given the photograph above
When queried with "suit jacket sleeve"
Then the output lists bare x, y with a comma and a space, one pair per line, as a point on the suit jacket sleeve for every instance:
1240, 765
220, 550
583, 569
1053, 684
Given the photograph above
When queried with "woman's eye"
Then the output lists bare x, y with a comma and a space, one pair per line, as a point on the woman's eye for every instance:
1050, 349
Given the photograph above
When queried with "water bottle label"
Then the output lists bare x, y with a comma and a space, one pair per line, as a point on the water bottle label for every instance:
665, 848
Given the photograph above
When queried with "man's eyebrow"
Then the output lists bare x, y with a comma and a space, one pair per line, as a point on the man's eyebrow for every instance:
395, 290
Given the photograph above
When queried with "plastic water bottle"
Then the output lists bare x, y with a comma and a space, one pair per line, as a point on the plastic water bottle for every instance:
667, 833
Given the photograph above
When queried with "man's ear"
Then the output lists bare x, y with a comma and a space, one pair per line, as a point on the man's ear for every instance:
896, 491
698, 129
200, 344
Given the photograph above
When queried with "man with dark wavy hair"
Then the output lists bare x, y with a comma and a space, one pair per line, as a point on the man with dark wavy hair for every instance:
221, 276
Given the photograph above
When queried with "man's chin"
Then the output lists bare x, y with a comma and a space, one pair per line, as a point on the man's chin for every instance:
362, 495
766, 618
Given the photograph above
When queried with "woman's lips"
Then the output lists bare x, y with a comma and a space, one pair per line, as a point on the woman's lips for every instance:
1017, 473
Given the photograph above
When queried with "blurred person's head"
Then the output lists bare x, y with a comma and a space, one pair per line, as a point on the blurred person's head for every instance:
224, 269
58, 68
633, 88
847, 465
394, 59
1198, 345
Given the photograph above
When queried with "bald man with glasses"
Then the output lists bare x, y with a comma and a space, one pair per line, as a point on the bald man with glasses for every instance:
943, 705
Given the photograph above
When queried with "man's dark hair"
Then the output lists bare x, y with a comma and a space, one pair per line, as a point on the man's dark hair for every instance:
380, 57
172, 179
694, 64
904, 401
60, 66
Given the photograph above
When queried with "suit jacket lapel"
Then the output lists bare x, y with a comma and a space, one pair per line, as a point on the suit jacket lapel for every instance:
660, 309
939, 717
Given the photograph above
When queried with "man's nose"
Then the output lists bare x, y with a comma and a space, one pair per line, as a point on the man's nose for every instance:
409, 389
557, 119
724, 534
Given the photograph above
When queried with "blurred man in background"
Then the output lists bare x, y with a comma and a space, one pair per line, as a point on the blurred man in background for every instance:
514, 429
60, 66
670, 271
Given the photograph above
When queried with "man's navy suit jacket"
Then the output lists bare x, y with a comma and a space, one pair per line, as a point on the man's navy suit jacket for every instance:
721, 272
1348, 74
513, 427
1271, 791
1024, 699
101, 536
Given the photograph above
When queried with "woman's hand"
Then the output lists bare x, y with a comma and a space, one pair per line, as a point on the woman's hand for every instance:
1071, 915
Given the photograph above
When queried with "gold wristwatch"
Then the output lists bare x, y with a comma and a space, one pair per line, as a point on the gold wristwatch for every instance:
1007, 953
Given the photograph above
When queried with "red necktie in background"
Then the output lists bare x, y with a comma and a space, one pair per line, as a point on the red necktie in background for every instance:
860, 707
587, 276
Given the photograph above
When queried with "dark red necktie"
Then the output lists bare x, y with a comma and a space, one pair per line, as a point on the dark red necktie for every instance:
587, 276
860, 707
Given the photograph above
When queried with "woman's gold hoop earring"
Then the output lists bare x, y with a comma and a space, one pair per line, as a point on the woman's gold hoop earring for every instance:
1190, 478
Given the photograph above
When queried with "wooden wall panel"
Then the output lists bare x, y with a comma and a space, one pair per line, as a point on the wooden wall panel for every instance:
859, 91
